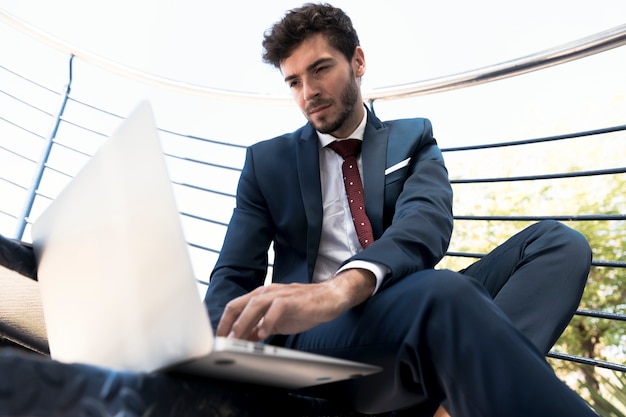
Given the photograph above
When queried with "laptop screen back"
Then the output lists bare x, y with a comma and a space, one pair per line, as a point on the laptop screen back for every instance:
115, 276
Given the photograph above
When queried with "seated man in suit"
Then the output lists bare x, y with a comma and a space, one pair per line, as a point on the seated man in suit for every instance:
473, 341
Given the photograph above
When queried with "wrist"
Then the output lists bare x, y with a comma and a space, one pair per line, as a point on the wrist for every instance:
353, 286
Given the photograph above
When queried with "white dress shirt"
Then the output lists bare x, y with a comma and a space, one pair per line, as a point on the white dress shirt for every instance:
339, 240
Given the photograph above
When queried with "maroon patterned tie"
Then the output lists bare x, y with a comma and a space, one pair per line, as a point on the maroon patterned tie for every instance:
348, 149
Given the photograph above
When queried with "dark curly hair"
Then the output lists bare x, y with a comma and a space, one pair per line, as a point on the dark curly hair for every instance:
298, 24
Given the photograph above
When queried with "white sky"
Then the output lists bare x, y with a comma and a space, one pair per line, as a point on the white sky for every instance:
217, 44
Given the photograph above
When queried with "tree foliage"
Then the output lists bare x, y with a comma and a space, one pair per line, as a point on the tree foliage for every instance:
605, 291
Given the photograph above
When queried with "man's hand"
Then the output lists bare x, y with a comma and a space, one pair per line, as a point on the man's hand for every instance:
294, 308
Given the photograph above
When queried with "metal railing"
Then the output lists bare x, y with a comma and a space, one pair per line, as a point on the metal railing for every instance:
572, 218
44, 167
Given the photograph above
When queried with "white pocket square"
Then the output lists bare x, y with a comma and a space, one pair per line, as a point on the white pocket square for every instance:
397, 166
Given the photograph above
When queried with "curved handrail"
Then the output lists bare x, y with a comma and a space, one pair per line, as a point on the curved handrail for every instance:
132, 73
599, 42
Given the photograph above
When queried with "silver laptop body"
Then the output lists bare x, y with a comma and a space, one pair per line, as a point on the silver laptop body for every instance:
117, 284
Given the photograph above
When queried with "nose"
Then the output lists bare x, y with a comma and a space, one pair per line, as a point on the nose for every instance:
311, 89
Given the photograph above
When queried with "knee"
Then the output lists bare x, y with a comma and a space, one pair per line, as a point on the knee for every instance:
569, 240
567, 250
566, 239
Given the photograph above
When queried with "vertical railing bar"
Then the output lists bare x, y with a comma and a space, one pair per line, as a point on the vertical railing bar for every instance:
41, 165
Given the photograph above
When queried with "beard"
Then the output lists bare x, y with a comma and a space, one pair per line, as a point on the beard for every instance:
348, 99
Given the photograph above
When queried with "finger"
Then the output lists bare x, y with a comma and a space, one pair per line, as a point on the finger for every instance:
271, 319
226, 322
254, 335
231, 313
249, 318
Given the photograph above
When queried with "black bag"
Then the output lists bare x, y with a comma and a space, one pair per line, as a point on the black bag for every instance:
18, 256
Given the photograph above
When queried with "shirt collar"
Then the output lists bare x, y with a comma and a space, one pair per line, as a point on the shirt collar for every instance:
358, 133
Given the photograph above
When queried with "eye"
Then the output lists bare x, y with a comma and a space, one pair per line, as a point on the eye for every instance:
293, 83
321, 69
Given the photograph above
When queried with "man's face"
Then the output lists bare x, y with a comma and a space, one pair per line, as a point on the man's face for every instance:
326, 86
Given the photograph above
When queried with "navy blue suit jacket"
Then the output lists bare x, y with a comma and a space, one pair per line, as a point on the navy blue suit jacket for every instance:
408, 200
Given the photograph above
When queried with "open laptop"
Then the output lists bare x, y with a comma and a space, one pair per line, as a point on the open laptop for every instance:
117, 284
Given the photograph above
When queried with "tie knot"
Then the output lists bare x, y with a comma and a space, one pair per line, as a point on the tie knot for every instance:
346, 148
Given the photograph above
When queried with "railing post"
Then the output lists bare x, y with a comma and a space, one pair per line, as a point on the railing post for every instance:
43, 160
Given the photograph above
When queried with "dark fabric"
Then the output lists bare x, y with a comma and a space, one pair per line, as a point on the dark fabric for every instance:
432, 350
18, 256
537, 278
410, 209
427, 332
474, 341
33, 386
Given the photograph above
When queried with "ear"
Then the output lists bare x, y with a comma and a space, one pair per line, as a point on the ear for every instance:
358, 62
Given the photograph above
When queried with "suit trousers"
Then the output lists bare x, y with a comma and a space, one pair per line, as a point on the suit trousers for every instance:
474, 341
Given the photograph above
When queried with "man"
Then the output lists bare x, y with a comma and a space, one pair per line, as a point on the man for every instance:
473, 341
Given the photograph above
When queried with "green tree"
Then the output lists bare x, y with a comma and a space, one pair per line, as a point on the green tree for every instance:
605, 291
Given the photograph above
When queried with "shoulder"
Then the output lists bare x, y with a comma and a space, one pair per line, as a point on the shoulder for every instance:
415, 125
411, 132
411, 136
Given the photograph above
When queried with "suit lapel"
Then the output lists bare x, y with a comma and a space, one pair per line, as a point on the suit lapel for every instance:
374, 151
307, 158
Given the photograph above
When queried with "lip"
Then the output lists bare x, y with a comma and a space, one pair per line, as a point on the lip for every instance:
318, 109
